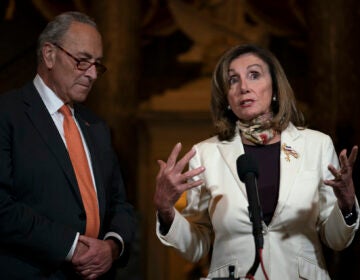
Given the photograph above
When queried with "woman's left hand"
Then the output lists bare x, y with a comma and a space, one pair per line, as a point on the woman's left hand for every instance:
342, 184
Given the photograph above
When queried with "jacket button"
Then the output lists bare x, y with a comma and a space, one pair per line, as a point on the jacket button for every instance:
82, 216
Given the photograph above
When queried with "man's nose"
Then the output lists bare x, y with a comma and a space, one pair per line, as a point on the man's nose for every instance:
92, 72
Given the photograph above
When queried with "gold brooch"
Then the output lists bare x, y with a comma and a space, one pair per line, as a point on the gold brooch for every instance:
289, 152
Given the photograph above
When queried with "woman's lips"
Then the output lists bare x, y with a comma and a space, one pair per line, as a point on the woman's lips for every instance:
246, 102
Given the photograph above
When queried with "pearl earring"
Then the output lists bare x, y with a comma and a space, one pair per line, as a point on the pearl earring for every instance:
274, 98
228, 107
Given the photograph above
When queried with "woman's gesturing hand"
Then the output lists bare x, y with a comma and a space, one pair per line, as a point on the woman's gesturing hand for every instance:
343, 183
172, 182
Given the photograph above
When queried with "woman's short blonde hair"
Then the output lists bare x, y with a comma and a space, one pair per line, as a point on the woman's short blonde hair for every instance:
284, 107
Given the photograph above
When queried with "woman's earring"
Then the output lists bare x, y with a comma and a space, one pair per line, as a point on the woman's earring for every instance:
228, 107
274, 98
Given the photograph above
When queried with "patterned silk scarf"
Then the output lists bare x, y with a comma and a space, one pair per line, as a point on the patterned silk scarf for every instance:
254, 130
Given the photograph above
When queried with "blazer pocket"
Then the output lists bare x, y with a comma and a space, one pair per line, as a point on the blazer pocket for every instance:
311, 271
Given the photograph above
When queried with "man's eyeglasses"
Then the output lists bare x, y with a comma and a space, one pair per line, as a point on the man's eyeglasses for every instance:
84, 65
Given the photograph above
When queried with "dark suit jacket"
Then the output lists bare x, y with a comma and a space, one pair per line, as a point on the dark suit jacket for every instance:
40, 204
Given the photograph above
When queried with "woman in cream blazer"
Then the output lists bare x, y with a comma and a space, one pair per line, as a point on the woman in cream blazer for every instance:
316, 200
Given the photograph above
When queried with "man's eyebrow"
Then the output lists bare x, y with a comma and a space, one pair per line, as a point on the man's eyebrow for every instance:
88, 56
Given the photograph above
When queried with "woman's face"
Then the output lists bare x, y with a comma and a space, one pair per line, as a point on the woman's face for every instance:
250, 87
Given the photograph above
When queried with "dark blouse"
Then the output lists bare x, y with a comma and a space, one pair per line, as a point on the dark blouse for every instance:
268, 159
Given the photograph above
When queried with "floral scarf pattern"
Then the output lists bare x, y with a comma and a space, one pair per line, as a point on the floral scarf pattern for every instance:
257, 130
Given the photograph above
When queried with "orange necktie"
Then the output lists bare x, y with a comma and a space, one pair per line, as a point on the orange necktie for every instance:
82, 171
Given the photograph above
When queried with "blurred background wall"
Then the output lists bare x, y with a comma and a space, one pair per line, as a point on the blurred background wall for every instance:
160, 55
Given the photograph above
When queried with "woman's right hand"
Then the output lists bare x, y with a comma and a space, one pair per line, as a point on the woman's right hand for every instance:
172, 182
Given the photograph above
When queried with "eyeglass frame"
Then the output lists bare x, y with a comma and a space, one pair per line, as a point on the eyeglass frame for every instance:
100, 68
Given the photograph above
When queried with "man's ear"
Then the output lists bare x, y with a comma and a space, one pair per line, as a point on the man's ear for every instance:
49, 55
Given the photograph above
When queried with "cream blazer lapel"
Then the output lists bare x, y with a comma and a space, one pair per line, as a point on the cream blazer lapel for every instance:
289, 167
290, 137
230, 151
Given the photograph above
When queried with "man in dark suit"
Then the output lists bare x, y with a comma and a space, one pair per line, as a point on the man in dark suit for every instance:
46, 228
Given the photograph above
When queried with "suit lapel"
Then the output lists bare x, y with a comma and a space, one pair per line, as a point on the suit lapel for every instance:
43, 123
88, 128
289, 167
230, 152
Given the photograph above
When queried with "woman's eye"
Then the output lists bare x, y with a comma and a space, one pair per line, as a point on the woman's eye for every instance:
254, 75
233, 80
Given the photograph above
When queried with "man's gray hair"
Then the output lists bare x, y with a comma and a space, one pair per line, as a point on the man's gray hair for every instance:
55, 29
